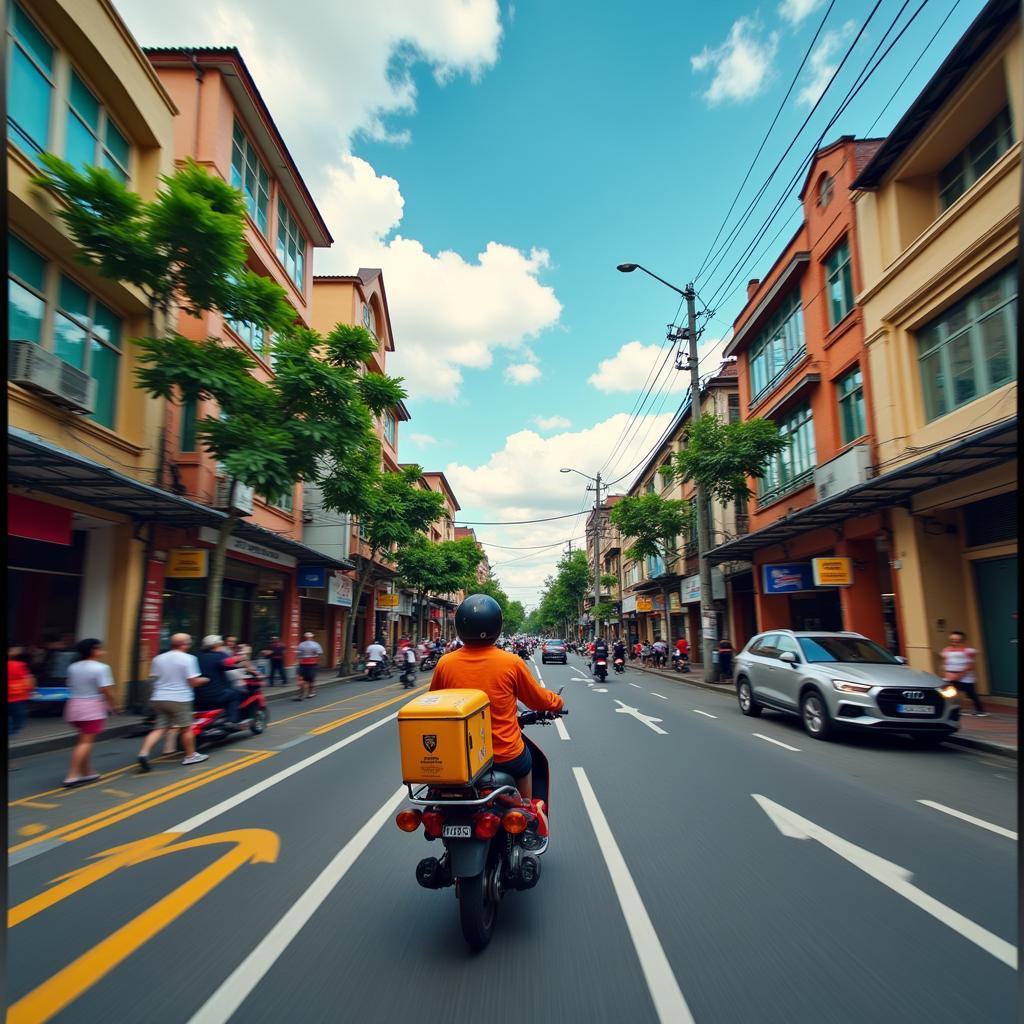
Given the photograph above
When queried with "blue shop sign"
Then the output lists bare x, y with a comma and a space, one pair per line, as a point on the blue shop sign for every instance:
312, 576
787, 578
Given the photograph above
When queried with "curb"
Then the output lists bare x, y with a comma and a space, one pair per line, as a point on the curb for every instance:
999, 749
682, 678
138, 728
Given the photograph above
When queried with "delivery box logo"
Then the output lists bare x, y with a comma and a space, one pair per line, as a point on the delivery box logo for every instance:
430, 742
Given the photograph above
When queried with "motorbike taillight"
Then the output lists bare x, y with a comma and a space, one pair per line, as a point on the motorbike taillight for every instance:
432, 823
485, 825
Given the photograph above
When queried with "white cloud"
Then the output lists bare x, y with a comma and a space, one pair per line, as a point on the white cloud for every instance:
822, 66
629, 370
423, 440
350, 77
551, 422
794, 11
522, 481
742, 65
522, 373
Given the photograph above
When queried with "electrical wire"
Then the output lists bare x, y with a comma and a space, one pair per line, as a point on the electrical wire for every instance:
519, 522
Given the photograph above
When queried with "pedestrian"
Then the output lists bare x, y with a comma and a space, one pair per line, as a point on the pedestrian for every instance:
309, 652
958, 667
725, 658
90, 698
176, 673
20, 686
275, 652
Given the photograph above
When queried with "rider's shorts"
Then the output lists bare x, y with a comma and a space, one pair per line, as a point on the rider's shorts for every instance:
518, 766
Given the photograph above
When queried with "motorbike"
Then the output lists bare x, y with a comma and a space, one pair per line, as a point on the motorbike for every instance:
379, 669
493, 838
428, 661
408, 676
210, 724
601, 669
619, 666
680, 661
523, 653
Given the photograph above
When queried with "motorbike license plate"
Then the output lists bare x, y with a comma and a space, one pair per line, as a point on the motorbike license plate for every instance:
457, 831
914, 709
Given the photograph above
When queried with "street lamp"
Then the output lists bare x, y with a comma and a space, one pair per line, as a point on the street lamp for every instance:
703, 525
596, 481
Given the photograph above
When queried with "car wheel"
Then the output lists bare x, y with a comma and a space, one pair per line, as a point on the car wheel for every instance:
745, 696
815, 715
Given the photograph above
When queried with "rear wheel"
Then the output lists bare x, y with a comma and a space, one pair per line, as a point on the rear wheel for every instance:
478, 909
745, 696
259, 721
815, 715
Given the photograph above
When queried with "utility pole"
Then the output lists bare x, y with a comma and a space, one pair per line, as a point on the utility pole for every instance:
597, 549
707, 606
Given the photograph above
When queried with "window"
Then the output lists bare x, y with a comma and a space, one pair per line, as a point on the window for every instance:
969, 351
786, 644
389, 428
794, 466
826, 186
844, 650
30, 60
250, 176
189, 410
291, 246
850, 396
285, 502
649, 486
92, 137
77, 328
980, 154
734, 408
840, 282
255, 337
778, 347
370, 319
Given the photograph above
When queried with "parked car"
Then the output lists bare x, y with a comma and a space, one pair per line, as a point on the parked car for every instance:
843, 680
554, 650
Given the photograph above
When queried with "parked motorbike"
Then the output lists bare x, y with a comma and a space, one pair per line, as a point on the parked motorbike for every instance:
601, 669
493, 838
680, 661
209, 725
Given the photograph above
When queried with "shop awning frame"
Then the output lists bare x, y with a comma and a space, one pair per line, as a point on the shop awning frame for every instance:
303, 553
982, 450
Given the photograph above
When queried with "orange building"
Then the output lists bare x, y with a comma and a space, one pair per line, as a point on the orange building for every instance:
799, 343
225, 126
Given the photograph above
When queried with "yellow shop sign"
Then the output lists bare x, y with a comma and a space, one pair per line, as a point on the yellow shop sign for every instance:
387, 600
186, 563
832, 572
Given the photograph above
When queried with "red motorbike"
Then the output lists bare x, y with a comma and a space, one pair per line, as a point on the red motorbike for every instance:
493, 838
211, 724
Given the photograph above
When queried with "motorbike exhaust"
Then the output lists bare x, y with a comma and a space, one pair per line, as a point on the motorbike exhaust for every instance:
529, 873
432, 873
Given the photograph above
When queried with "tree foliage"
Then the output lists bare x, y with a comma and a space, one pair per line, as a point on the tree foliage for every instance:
653, 524
512, 612
722, 457
432, 569
562, 599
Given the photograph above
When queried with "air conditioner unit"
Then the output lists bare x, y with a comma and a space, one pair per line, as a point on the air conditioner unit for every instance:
242, 500
843, 472
34, 368
307, 515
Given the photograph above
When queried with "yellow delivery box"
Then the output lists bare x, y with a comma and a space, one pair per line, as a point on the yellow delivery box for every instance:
445, 737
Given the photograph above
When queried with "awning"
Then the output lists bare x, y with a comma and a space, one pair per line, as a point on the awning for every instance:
39, 466
982, 450
302, 552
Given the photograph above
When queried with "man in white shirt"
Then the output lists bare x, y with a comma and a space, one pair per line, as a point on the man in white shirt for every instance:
309, 652
176, 673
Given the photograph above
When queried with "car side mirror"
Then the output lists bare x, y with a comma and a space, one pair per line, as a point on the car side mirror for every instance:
788, 657
901, 659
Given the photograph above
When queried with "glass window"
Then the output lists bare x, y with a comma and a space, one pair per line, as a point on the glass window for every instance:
844, 650
779, 346
840, 282
283, 501
968, 350
389, 428
786, 644
291, 246
92, 137
189, 417
794, 466
26, 292
734, 408
29, 82
250, 176
850, 395
975, 159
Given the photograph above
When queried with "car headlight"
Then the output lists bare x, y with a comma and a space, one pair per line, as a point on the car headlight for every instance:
845, 686
949, 690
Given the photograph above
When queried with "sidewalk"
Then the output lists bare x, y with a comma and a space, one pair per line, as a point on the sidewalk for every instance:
995, 734
51, 732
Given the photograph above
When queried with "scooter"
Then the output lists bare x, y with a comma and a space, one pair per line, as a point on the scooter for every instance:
493, 839
429, 661
619, 666
680, 661
211, 724
601, 669
379, 669
408, 675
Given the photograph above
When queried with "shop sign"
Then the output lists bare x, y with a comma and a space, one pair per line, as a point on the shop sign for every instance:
787, 578
339, 590
152, 612
404, 603
629, 604
644, 604
35, 520
312, 576
386, 600
435, 613
832, 572
246, 547
690, 587
674, 604
186, 564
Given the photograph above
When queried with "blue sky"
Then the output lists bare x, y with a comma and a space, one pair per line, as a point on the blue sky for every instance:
498, 161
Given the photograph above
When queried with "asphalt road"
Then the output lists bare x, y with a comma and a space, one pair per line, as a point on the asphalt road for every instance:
697, 871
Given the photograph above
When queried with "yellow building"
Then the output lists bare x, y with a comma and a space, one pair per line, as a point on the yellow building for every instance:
83, 442
938, 208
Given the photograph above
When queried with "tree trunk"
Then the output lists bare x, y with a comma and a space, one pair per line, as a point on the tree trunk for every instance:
357, 596
216, 585
668, 616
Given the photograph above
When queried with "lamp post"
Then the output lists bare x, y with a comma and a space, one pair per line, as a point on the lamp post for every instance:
707, 609
596, 481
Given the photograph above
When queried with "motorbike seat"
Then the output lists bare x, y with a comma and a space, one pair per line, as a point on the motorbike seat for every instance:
494, 779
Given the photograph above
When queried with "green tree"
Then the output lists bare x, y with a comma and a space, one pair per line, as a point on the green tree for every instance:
515, 617
392, 510
432, 569
653, 524
185, 248
512, 612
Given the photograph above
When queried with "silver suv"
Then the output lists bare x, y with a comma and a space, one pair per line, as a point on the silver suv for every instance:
835, 680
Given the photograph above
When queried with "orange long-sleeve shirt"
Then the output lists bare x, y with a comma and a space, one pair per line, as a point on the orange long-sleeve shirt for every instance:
505, 679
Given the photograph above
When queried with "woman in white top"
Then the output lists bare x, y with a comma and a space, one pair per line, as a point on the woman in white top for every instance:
91, 697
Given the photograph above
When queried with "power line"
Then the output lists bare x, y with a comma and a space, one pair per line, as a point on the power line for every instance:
520, 522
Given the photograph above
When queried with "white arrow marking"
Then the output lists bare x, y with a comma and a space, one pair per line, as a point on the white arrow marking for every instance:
890, 875
648, 720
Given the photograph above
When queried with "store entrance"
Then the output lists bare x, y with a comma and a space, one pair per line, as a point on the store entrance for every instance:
817, 609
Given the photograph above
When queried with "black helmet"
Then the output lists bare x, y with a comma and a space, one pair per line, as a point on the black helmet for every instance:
478, 620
